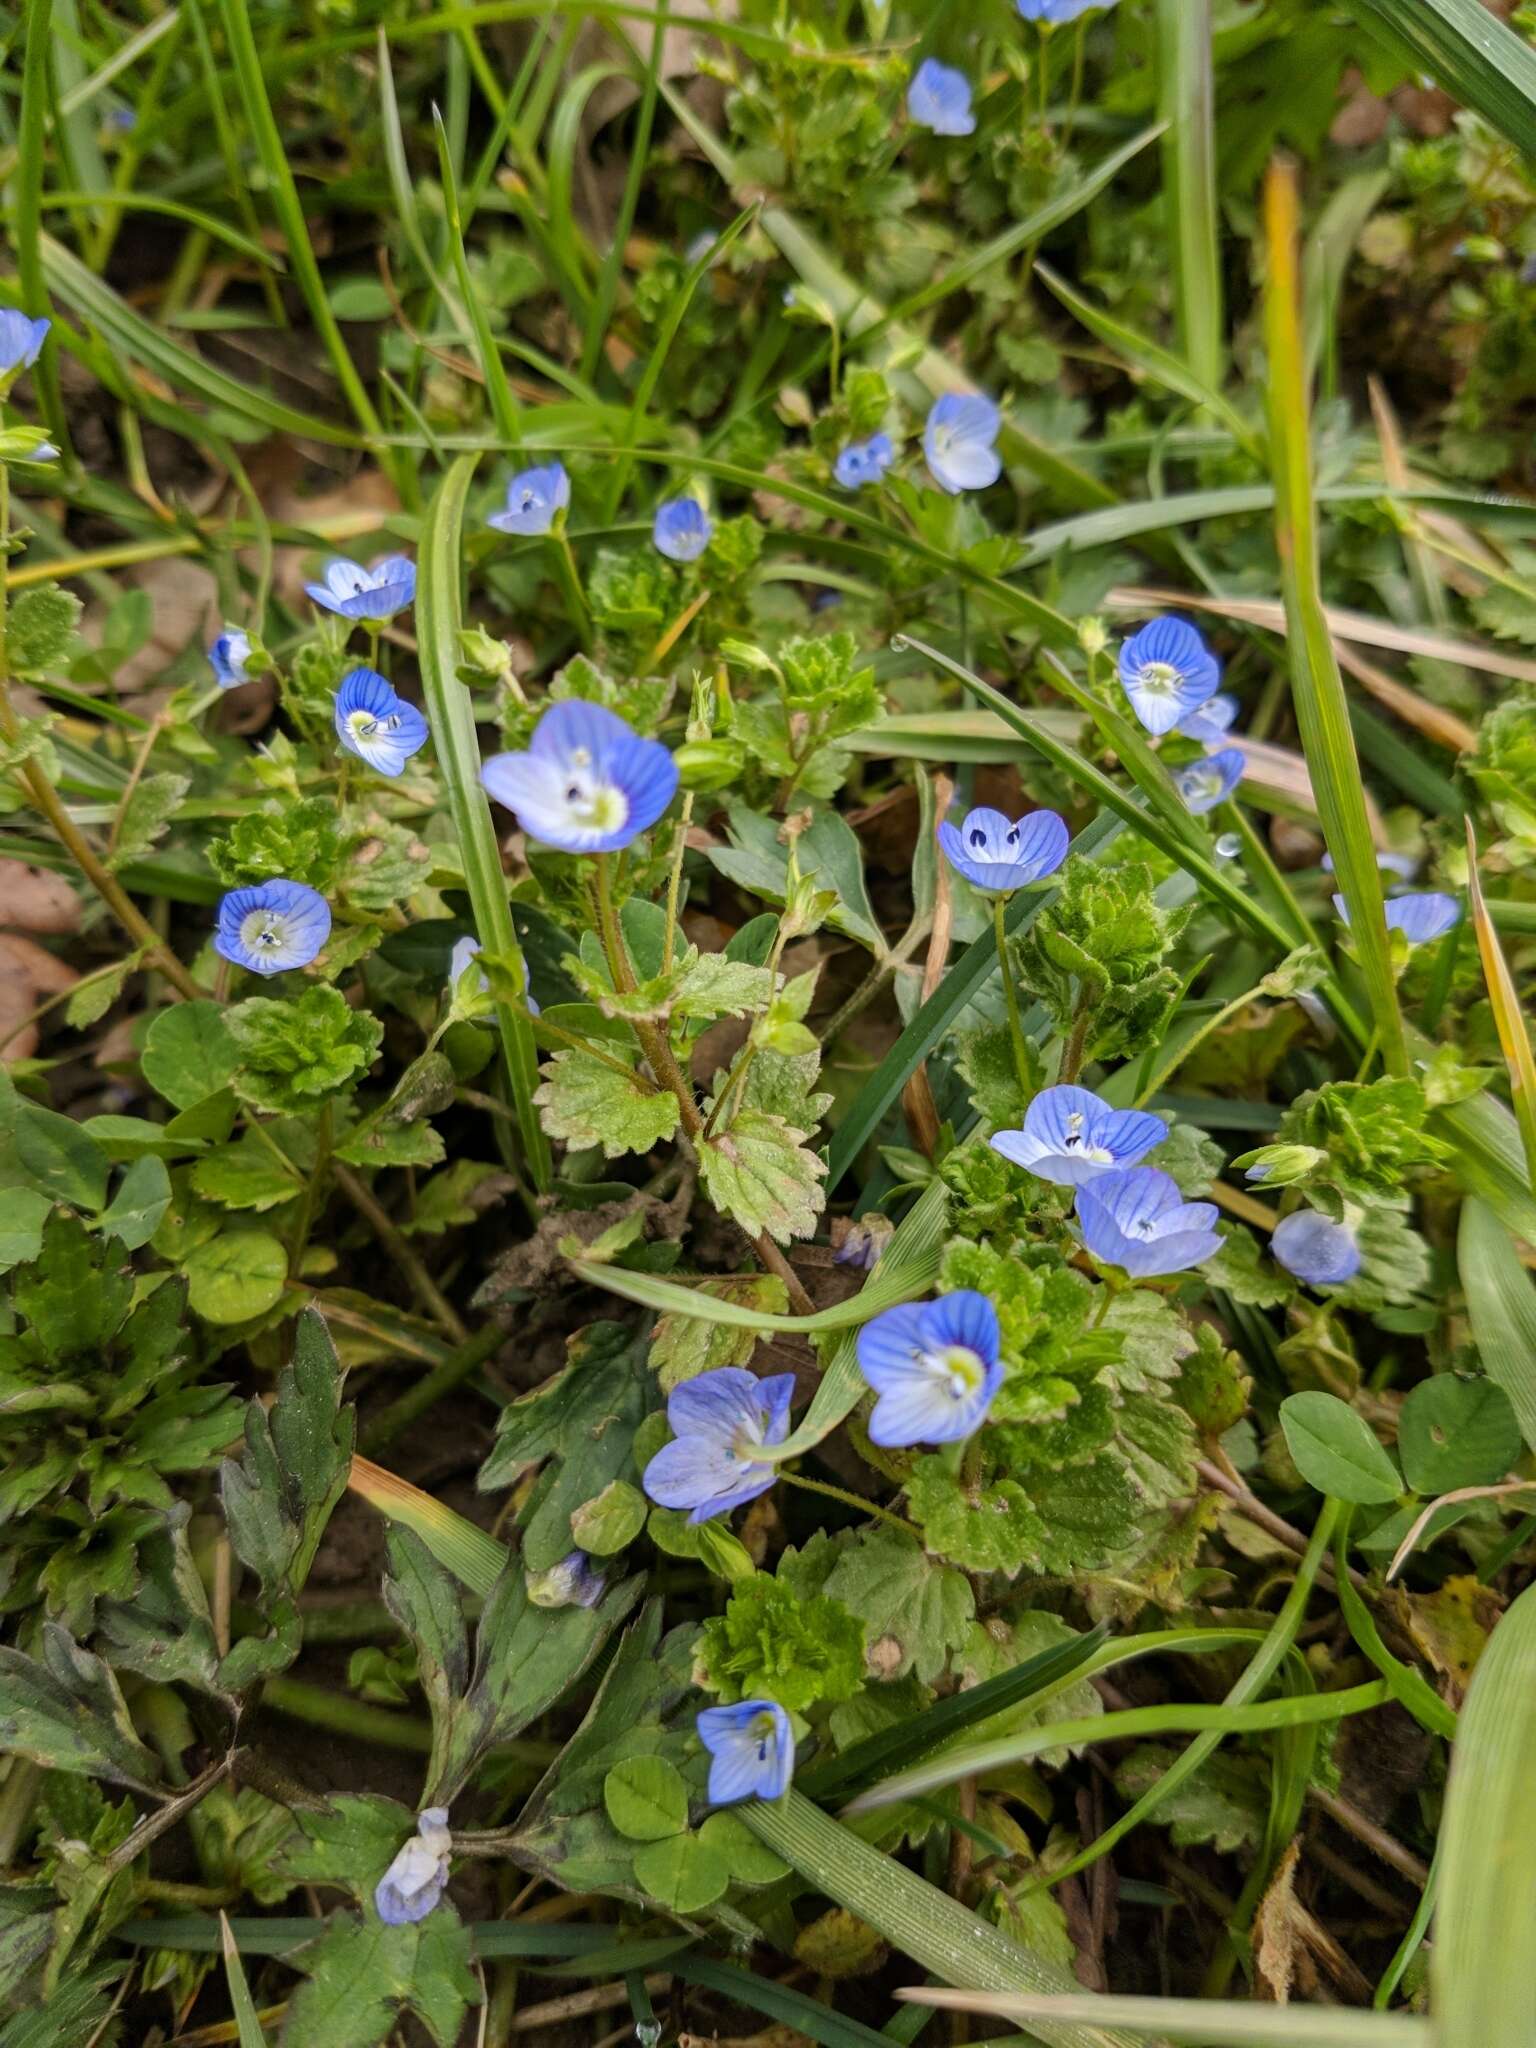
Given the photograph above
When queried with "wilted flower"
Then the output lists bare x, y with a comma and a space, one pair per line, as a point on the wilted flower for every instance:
588, 783
681, 529
1206, 783
1320, 1252
751, 1748
375, 724
1138, 1219
1421, 916
415, 1881
21, 340
273, 926
992, 852
939, 98
1072, 1136
1211, 721
718, 1420
935, 1367
358, 593
862, 1243
230, 656
1167, 672
864, 462
534, 496
570, 1583
957, 441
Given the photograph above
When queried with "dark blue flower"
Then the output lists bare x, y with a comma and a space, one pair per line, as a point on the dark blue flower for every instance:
1314, 1249
1420, 916
751, 1748
864, 462
718, 1421
1072, 1136
958, 438
1137, 1218
939, 98
1206, 783
588, 783
994, 852
21, 340
273, 926
534, 496
229, 656
415, 1881
358, 593
1167, 672
681, 529
375, 724
935, 1367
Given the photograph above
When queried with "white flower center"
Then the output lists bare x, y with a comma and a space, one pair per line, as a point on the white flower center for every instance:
762, 1730
596, 806
366, 727
1161, 678
958, 1366
263, 931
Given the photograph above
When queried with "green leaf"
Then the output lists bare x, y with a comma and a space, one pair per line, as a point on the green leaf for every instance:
144, 817
66, 1713
75, 1294
165, 1633
295, 1053
1334, 1450
142, 1198
586, 1101
829, 855
773, 1642
646, 1799
685, 1874
362, 1977
1221, 1807
189, 1053
990, 1528
247, 2023
23, 1211
683, 1346
244, 1176
64, 1161
915, 1610
1455, 1432
236, 1277
610, 1521
759, 1173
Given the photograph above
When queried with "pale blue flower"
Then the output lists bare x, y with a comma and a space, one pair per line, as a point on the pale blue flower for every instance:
1167, 672
571, 1583
229, 657
934, 1366
864, 462
375, 724
1211, 722
467, 949
1072, 1136
1402, 865
588, 783
1321, 1253
1423, 915
21, 340
358, 593
1208, 782
1137, 1218
1054, 13
957, 441
681, 529
993, 852
939, 98
272, 927
415, 1881
719, 1419
751, 1748
43, 452
534, 496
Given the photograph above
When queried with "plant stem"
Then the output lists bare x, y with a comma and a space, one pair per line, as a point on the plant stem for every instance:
852, 1500
675, 879
423, 1286
416, 1400
1010, 994
1076, 1047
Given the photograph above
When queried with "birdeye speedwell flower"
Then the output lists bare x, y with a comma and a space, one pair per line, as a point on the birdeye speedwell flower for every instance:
719, 1420
1136, 1218
958, 439
534, 496
1072, 1136
354, 592
21, 340
588, 783
376, 725
1001, 854
864, 462
1206, 783
1167, 672
415, 1881
751, 1748
229, 657
939, 98
1420, 916
681, 529
935, 1367
272, 926
1316, 1250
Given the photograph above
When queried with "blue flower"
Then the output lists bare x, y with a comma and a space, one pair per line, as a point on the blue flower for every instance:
1168, 672
994, 853
359, 593
588, 783
1211, 722
467, 949
570, 1583
1403, 865
21, 340
229, 656
939, 98
1422, 915
415, 1881
43, 452
935, 1367
681, 529
751, 1748
1315, 1250
1207, 783
1136, 1218
957, 440
534, 496
718, 1420
1053, 13
272, 927
375, 724
1072, 1136
864, 462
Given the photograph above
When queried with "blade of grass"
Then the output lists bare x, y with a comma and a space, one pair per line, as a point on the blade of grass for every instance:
885, 1288
1223, 2023
1409, 1688
461, 1548
247, 2024
1469, 51
504, 407
458, 753
1317, 687
1501, 1307
31, 155
1508, 1014
606, 293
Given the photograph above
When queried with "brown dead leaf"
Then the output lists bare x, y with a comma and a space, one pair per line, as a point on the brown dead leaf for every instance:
29, 973
37, 900
1276, 1930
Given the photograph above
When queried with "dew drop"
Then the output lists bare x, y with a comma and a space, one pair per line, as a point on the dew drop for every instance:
1229, 846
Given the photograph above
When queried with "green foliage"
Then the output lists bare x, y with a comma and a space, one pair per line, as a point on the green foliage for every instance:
295, 1054
773, 1643
1100, 950
1375, 1134
39, 629
587, 1100
299, 842
760, 1173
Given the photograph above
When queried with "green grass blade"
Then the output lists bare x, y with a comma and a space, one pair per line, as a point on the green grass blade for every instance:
31, 153
1322, 707
795, 2012
504, 408
1483, 1965
1221, 2023
474, 1558
439, 615
1187, 103
247, 2025
1508, 1012
606, 293
1501, 1306
920, 1921
886, 1287
1469, 52
1409, 1688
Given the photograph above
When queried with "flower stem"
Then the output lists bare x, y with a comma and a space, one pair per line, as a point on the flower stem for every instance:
1010, 995
853, 1500
423, 1286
